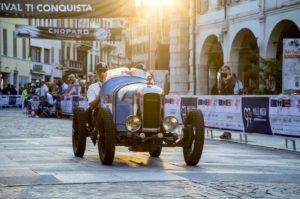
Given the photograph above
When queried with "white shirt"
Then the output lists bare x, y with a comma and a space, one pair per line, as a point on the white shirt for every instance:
93, 91
50, 99
64, 87
44, 89
1, 83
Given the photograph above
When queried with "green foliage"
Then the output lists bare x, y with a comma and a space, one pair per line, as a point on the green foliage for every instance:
270, 76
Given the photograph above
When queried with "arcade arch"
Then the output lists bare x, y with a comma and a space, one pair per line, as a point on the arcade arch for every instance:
283, 29
244, 57
211, 60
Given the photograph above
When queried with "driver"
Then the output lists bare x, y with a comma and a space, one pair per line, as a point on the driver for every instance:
93, 93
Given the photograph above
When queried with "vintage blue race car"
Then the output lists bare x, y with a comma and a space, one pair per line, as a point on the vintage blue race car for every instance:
131, 114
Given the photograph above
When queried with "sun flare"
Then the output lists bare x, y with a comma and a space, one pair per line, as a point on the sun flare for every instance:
153, 2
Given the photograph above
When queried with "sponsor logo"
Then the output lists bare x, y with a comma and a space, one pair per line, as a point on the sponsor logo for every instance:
248, 115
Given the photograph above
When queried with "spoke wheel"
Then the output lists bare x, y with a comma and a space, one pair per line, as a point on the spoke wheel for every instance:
193, 137
106, 136
79, 132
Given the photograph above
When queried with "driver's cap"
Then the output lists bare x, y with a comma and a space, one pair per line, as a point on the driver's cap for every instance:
101, 67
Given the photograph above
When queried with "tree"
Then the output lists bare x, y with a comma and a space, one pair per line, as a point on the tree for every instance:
270, 76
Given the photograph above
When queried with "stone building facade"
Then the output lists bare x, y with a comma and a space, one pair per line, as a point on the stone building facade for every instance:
233, 32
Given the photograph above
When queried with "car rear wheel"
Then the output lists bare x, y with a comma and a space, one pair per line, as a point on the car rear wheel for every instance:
193, 137
79, 132
106, 136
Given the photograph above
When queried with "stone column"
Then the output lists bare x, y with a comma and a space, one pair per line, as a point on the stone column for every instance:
179, 47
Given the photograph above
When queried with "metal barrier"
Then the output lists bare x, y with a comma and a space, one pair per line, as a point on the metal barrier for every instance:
11, 101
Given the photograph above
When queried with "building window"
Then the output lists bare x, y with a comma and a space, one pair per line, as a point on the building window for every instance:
202, 6
74, 56
91, 62
52, 55
35, 54
24, 48
4, 42
14, 44
46, 56
60, 56
96, 59
68, 53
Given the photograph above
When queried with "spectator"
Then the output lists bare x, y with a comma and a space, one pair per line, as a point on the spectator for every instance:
62, 87
238, 87
44, 88
227, 82
1, 84
13, 90
49, 98
74, 87
25, 95
90, 79
7, 90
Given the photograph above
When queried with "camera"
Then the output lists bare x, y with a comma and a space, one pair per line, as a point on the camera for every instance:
223, 75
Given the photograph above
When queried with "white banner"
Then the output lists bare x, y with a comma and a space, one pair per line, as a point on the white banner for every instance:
285, 115
222, 112
291, 66
172, 106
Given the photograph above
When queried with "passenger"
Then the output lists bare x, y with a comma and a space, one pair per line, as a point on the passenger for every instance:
140, 70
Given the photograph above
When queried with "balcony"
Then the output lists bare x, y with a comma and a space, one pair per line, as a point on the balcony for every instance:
109, 46
37, 68
74, 65
86, 45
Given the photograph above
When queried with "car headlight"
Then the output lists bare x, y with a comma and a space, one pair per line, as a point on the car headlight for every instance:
170, 123
133, 123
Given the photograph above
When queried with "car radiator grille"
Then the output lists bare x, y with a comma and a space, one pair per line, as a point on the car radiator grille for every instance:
151, 111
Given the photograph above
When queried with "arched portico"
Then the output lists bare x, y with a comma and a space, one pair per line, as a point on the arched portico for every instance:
283, 29
244, 55
211, 60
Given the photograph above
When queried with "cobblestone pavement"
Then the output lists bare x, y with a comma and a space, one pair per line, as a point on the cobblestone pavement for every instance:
174, 189
14, 122
36, 161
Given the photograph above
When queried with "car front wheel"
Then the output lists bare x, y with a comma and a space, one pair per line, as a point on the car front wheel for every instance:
106, 136
79, 132
193, 137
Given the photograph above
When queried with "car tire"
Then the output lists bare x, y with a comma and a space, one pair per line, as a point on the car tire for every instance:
193, 137
106, 136
79, 132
